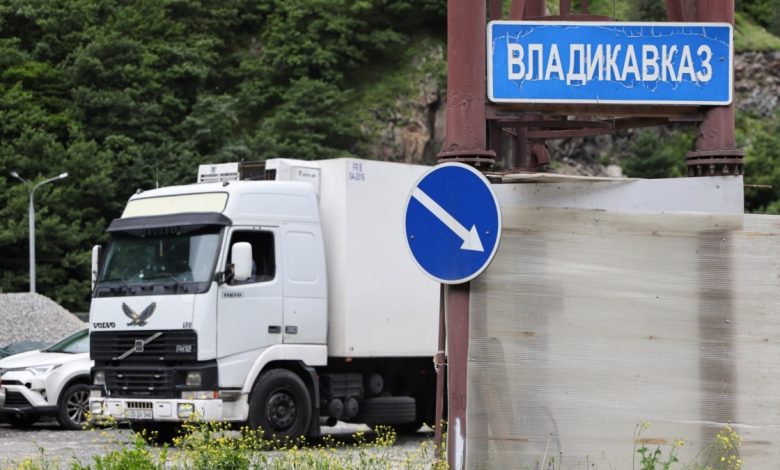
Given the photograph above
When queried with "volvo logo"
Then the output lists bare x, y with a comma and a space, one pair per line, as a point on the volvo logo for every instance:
138, 319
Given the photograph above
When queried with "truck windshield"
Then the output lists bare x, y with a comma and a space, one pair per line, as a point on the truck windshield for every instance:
161, 258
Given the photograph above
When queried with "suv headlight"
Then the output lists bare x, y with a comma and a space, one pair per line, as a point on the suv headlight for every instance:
40, 370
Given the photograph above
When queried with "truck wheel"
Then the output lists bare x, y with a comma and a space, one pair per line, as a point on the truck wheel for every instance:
280, 405
73, 406
425, 406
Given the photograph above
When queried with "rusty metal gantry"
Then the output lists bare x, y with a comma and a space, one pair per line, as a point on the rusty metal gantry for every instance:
475, 128
529, 126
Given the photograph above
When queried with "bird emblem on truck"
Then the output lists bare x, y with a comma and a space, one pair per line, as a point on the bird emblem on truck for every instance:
138, 319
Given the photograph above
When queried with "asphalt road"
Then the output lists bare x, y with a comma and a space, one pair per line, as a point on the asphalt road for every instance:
60, 446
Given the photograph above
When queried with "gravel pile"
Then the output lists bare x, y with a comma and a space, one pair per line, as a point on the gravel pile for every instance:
34, 317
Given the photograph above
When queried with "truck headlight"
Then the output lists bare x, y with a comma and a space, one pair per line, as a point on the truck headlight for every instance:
199, 395
100, 378
185, 410
193, 379
96, 408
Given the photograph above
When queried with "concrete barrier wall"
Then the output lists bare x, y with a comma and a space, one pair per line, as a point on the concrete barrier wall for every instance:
589, 326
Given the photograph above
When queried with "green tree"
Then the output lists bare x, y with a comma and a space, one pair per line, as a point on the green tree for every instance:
658, 153
308, 124
760, 139
133, 94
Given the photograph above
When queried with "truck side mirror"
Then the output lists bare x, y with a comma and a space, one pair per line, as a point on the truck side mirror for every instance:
95, 263
241, 254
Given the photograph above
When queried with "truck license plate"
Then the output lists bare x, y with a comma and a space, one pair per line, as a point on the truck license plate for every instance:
139, 414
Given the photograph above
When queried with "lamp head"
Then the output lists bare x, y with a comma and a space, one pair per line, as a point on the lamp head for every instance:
15, 174
63, 175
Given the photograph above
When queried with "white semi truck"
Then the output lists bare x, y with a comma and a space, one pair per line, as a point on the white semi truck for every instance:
285, 303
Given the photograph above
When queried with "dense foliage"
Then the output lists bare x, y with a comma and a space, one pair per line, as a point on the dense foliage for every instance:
134, 94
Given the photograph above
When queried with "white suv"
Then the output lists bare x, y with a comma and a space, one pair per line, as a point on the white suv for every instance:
49, 382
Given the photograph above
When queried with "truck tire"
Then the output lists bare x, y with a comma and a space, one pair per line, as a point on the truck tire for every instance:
425, 412
280, 405
390, 411
73, 406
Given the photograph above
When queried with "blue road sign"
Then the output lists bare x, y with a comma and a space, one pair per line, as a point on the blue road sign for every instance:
610, 63
452, 223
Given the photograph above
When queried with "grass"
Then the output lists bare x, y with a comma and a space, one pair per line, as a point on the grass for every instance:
215, 446
749, 36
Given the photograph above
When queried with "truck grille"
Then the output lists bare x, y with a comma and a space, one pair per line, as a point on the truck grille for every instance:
140, 383
169, 346
139, 405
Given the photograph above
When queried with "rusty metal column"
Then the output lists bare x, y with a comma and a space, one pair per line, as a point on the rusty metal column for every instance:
465, 142
440, 362
716, 152
465, 139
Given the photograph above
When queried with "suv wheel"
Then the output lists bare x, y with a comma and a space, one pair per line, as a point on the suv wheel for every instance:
73, 407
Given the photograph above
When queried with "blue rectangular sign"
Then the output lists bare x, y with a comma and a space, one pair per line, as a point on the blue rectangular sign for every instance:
610, 63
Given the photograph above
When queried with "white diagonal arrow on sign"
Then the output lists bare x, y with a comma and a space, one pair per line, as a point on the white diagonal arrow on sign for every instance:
470, 238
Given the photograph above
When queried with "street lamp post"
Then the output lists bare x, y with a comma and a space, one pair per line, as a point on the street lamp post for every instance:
31, 219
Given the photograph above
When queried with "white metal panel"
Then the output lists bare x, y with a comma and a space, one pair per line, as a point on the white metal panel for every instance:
645, 307
333, 199
590, 322
269, 206
720, 194
170, 311
296, 170
381, 304
249, 317
309, 354
218, 172
204, 321
305, 285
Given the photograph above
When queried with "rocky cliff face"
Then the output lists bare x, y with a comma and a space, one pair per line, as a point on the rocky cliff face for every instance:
413, 130
757, 82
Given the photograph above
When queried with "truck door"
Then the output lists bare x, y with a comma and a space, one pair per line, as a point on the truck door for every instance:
249, 313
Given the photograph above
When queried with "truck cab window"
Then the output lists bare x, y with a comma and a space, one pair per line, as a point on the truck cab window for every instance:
263, 254
161, 258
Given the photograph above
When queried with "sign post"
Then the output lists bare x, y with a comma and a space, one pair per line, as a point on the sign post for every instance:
453, 227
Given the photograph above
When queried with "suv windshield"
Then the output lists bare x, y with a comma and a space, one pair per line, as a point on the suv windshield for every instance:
73, 344
161, 257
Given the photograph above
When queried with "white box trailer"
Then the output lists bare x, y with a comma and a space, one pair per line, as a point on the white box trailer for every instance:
379, 302
286, 302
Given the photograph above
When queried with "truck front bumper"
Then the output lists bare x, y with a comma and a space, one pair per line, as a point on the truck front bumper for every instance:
153, 409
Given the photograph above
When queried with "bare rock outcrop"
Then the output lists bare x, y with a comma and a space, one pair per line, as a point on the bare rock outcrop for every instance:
757, 82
